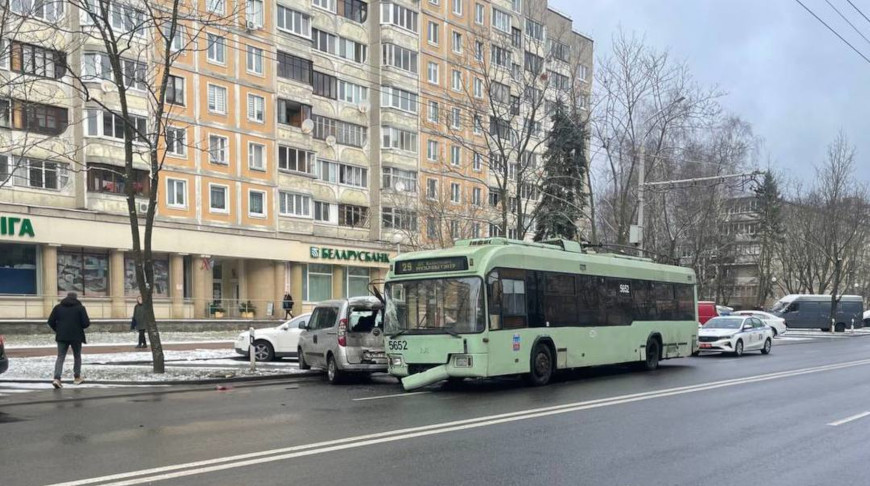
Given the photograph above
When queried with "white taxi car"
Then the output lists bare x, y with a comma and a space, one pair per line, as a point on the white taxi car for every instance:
271, 343
735, 334
775, 323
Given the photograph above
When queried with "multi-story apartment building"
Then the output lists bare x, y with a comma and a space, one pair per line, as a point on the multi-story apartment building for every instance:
307, 137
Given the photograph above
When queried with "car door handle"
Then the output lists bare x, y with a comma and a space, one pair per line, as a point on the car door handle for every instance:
332, 333
315, 339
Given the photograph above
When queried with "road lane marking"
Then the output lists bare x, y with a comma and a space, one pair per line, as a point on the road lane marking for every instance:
253, 458
397, 395
849, 419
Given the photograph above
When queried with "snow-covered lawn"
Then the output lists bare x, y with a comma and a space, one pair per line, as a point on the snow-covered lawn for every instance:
135, 367
31, 340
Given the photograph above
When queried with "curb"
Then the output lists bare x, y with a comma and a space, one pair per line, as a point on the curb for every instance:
205, 381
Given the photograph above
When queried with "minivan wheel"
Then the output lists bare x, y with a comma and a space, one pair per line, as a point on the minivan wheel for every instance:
263, 351
840, 327
303, 365
333, 374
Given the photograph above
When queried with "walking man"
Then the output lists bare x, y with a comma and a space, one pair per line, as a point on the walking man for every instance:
68, 320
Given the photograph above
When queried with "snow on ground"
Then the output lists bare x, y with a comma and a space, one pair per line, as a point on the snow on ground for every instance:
47, 339
135, 367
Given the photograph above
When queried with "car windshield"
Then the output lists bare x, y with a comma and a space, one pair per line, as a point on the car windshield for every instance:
447, 304
780, 306
724, 323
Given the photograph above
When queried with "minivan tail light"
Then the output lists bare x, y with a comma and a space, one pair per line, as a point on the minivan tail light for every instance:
342, 332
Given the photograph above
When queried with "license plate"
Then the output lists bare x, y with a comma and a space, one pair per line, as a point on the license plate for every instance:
378, 355
706, 345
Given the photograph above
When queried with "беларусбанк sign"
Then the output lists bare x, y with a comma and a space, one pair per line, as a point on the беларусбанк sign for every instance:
349, 255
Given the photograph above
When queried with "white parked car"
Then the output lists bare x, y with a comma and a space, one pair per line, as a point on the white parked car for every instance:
867, 319
276, 342
775, 323
735, 334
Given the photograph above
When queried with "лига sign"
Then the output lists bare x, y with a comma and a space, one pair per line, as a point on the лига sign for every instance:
349, 255
15, 226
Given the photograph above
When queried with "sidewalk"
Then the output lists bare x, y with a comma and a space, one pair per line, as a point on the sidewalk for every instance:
50, 350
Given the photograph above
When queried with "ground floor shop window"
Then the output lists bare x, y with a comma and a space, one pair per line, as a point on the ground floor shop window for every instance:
82, 272
357, 281
161, 277
316, 282
17, 269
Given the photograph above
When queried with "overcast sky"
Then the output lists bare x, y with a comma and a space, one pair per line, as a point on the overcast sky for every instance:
784, 72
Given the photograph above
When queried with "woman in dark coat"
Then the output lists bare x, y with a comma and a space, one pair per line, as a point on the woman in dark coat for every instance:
138, 323
288, 305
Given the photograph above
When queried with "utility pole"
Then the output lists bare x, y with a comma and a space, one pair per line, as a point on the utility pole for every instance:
641, 176
838, 264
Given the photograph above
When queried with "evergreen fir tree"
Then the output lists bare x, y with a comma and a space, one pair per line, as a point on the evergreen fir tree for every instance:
769, 233
562, 201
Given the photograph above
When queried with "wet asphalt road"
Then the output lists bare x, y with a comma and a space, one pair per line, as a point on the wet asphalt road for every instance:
685, 424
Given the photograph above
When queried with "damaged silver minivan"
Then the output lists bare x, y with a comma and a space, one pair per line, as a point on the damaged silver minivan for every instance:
344, 337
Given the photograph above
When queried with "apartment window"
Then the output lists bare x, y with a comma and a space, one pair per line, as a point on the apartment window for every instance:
399, 180
352, 50
217, 99
399, 16
493, 198
325, 85
454, 229
352, 176
515, 105
475, 230
432, 73
325, 42
478, 13
292, 113
533, 127
560, 51
295, 160
516, 72
534, 30
495, 231
352, 93
176, 193
582, 72
322, 211
176, 41
477, 161
534, 63
110, 179
455, 193
255, 60
516, 38
457, 6
326, 171
433, 32
392, 97
256, 156
294, 22
478, 51
218, 147
175, 90
431, 188
345, 133
45, 10
256, 108
457, 42
517, 5
431, 228
528, 191
501, 20
455, 155
478, 88
96, 66
33, 173
325, 4
356, 10
477, 125
400, 57
217, 198
499, 92
294, 204
433, 112
216, 6
256, 203
476, 196
175, 141
399, 219
100, 123
217, 49
501, 56
352, 216
254, 12
456, 118
512, 233
35, 60
295, 68
558, 81
395, 138
432, 150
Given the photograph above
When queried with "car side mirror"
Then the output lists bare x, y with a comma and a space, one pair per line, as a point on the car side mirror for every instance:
303, 326
747, 327
285, 327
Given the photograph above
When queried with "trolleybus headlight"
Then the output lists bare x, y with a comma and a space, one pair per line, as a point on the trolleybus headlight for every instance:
462, 361
396, 361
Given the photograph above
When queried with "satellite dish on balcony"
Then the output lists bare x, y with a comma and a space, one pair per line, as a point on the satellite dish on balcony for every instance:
307, 125
330, 140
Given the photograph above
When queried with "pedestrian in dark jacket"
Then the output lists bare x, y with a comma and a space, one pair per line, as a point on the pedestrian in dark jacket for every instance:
288, 305
68, 320
138, 323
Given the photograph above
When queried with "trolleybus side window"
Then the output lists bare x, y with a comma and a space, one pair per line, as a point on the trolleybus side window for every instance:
560, 300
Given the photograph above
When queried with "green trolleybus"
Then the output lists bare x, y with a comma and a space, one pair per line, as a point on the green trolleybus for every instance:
496, 307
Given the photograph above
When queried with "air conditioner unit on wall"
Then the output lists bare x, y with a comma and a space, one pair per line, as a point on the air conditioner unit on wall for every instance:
143, 207
251, 25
